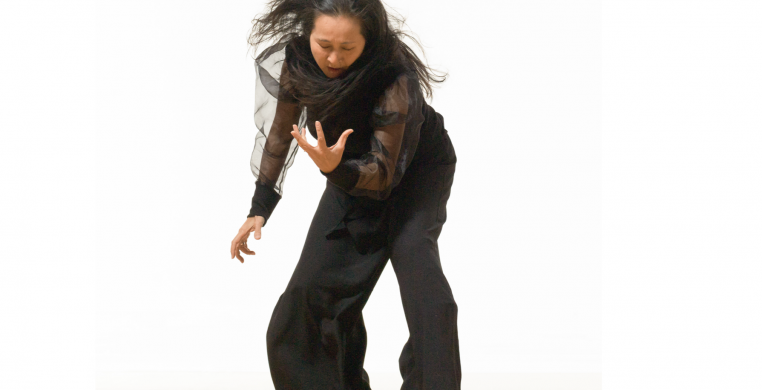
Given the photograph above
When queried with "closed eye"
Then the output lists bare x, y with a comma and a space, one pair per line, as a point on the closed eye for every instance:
343, 48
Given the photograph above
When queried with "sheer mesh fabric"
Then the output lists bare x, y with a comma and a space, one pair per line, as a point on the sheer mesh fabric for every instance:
275, 113
396, 121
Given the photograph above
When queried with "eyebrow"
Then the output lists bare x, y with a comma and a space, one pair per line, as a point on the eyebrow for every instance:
325, 40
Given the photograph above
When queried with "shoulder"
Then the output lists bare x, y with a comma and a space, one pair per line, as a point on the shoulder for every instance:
278, 57
403, 91
272, 57
273, 74
395, 96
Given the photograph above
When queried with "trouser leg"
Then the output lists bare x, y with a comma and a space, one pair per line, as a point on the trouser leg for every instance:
316, 338
430, 359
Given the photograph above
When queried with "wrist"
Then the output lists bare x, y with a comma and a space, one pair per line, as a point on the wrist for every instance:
327, 170
344, 176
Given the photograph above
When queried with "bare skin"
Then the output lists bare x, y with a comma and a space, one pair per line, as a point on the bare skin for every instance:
336, 43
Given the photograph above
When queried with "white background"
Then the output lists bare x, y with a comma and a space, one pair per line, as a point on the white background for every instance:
682, 183
628, 133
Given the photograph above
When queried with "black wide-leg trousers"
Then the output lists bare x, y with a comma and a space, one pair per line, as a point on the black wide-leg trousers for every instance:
317, 339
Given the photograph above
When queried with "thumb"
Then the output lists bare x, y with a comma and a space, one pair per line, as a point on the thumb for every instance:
343, 139
258, 222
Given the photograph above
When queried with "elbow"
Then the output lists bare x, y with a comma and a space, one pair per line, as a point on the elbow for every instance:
385, 187
380, 194
375, 194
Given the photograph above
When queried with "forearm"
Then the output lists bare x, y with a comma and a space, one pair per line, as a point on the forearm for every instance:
371, 176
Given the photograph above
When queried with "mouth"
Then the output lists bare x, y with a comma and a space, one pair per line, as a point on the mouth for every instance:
335, 71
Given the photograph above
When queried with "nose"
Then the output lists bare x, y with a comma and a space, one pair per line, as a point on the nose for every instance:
333, 60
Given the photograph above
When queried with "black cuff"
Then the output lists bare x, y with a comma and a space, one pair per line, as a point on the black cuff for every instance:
343, 176
263, 202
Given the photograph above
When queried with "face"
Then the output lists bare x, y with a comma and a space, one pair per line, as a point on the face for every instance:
336, 43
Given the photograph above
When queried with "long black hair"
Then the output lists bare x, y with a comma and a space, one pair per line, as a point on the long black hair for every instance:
292, 21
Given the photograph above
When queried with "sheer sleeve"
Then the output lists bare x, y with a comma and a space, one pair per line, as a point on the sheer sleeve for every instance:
396, 120
274, 147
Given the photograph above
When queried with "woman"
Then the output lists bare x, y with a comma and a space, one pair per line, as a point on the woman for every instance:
341, 65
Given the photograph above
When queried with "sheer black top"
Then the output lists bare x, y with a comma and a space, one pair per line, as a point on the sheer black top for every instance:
393, 128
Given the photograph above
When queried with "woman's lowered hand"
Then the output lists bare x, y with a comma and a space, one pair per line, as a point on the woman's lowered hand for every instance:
253, 224
326, 158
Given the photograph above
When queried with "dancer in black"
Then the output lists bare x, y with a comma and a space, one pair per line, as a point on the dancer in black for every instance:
342, 66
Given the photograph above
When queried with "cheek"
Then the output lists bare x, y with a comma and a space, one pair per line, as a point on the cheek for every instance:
358, 53
354, 56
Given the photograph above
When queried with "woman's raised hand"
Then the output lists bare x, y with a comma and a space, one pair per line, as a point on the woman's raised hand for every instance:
253, 224
326, 158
